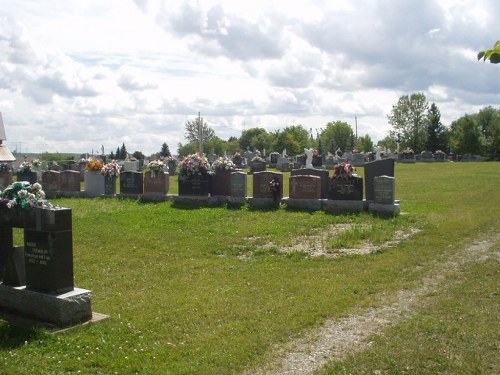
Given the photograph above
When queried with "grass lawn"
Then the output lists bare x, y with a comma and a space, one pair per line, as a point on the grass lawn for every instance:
199, 290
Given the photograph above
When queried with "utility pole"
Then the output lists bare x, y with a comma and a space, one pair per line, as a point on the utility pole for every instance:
200, 136
356, 122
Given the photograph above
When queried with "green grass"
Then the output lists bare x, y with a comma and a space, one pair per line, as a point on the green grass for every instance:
198, 290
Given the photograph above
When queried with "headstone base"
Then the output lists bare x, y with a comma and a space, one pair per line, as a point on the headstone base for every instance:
343, 206
261, 202
303, 204
385, 209
63, 310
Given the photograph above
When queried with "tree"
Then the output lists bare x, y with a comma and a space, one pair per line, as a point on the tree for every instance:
337, 135
187, 149
436, 131
493, 55
165, 151
247, 139
118, 154
466, 135
364, 144
198, 131
408, 119
123, 152
293, 139
389, 142
138, 155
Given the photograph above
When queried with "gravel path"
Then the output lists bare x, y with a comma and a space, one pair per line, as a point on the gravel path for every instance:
339, 337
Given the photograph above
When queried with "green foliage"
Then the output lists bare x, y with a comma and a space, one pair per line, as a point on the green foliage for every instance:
294, 139
336, 135
437, 134
255, 138
466, 136
50, 156
187, 149
196, 129
493, 55
138, 155
408, 118
389, 142
165, 151
364, 143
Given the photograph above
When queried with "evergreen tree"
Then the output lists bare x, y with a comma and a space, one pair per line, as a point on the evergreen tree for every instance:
118, 154
165, 151
436, 131
123, 152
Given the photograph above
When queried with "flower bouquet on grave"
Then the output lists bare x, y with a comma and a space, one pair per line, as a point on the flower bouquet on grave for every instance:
156, 167
343, 171
24, 195
193, 165
223, 164
110, 170
25, 166
94, 165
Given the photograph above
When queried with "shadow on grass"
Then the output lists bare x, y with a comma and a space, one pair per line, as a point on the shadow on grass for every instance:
14, 336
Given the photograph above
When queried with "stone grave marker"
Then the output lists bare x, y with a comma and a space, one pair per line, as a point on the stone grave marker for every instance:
317, 161
157, 183
239, 184
384, 167
131, 182
261, 182
51, 180
384, 190
322, 173
221, 183
6, 178
427, 156
350, 188
257, 166
197, 185
358, 160
305, 187
70, 180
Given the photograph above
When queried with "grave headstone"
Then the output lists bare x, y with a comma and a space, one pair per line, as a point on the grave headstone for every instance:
51, 181
94, 183
70, 180
238, 184
156, 183
384, 189
6, 178
172, 167
221, 183
317, 161
384, 167
131, 182
273, 159
358, 160
427, 156
261, 182
322, 173
350, 188
29, 176
197, 185
110, 185
257, 166
305, 187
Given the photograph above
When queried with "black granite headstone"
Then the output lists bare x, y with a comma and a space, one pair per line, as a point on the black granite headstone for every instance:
384, 167
131, 182
49, 261
198, 185
317, 161
350, 189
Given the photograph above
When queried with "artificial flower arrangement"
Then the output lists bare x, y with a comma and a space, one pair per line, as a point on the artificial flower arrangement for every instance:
111, 169
408, 151
343, 171
223, 164
94, 165
24, 195
37, 163
259, 159
156, 166
25, 166
194, 165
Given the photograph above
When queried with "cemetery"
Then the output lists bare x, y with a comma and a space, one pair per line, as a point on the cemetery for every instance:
206, 267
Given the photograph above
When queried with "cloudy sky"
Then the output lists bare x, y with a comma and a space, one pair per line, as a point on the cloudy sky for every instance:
78, 75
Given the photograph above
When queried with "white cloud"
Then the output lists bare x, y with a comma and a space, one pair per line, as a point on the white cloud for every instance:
77, 75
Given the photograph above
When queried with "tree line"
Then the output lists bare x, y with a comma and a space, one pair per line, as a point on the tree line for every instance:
415, 124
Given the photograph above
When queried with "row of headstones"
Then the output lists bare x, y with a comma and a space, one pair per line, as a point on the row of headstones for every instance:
305, 183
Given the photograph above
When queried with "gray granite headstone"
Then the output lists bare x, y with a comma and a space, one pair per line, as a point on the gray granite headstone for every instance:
239, 184
384, 167
261, 182
51, 181
70, 180
384, 190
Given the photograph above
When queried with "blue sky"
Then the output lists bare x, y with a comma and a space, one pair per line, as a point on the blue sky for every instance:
78, 75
